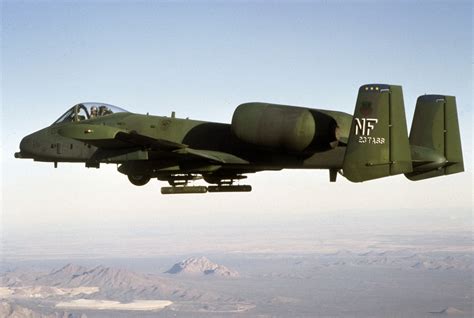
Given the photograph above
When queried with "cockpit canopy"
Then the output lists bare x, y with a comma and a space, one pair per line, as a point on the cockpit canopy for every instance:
84, 111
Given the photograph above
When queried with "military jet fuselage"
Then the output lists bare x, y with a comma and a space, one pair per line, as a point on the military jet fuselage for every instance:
371, 144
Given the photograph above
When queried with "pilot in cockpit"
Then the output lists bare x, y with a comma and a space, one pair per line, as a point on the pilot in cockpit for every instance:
103, 110
94, 112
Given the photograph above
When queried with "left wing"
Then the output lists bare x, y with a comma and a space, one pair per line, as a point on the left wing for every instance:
113, 138
107, 137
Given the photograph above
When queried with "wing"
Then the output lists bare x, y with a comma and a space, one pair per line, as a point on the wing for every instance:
211, 155
108, 137
113, 138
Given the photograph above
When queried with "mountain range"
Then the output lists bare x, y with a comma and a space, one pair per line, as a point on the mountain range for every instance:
112, 283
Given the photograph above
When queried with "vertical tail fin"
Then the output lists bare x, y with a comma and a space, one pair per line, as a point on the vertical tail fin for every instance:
378, 141
435, 138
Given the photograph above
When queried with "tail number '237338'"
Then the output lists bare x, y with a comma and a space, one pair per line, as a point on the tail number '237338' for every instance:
363, 128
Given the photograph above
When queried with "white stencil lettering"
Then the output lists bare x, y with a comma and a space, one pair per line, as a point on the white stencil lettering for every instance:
365, 125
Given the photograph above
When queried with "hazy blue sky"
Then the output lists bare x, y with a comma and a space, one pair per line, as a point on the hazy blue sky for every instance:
202, 59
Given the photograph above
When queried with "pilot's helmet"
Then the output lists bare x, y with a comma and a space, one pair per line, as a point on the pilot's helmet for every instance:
93, 108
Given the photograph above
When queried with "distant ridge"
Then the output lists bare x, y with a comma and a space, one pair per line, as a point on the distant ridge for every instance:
405, 259
115, 284
201, 266
9, 310
75, 276
448, 311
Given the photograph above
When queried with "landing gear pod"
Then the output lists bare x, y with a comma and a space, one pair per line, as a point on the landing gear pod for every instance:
138, 180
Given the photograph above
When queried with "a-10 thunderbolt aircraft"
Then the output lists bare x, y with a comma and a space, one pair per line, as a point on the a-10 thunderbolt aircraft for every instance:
373, 143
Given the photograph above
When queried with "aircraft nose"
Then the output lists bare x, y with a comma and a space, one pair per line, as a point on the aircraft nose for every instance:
26, 148
25, 143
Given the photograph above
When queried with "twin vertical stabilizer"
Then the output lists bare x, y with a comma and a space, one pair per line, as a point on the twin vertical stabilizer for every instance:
379, 146
435, 138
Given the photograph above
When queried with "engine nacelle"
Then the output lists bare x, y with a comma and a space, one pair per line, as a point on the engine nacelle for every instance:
294, 129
